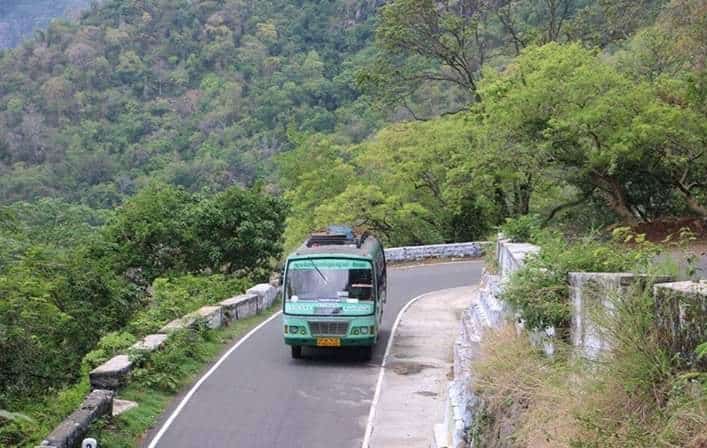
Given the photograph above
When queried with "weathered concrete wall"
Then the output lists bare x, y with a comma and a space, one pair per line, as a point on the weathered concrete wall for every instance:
511, 256
240, 307
72, 430
266, 293
453, 250
681, 318
592, 295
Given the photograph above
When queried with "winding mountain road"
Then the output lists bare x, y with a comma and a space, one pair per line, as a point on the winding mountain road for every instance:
260, 397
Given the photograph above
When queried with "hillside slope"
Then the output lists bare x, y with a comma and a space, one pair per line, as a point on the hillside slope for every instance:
196, 93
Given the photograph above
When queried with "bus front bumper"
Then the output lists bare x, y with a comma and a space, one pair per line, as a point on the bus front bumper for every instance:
330, 341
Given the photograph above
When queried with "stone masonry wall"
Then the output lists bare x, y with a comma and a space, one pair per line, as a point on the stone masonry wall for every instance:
453, 250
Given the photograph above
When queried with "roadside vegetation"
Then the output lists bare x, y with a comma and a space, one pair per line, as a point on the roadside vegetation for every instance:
74, 297
636, 396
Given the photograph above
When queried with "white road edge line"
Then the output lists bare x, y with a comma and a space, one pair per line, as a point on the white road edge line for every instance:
193, 390
379, 384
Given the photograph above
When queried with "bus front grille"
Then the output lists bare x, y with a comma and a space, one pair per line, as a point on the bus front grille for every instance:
331, 328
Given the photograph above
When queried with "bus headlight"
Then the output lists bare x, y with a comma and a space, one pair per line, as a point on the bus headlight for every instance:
355, 331
364, 330
294, 329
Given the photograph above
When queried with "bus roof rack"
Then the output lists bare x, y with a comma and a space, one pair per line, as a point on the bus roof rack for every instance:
336, 235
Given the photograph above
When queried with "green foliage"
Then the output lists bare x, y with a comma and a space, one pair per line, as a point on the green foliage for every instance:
70, 284
176, 296
400, 184
539, 291
521, 229
566, 114
41, 415
107, 347
165, 369
164, 229
54, 309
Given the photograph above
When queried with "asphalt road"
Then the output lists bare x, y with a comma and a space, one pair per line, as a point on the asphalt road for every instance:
260, 397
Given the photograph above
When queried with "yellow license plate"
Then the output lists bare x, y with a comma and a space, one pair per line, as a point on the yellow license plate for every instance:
328, 342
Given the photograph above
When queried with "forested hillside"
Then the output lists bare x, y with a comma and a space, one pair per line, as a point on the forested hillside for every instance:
19, 18
198, 94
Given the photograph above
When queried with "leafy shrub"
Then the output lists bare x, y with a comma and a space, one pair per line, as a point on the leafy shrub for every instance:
523, 228
176, 296
539, 291
108, 346
165, 369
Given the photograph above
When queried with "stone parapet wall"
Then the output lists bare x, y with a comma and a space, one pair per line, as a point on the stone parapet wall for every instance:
511, 256
453, 250
592, 296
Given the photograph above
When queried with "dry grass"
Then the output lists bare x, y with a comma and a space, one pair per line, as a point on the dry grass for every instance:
528, 397
632, 399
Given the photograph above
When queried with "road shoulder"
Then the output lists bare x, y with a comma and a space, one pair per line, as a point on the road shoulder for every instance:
417, 369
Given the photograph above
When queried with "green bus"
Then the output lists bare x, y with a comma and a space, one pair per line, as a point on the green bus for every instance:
334, 290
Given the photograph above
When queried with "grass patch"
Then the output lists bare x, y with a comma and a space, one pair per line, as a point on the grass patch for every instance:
168, 371
38, 418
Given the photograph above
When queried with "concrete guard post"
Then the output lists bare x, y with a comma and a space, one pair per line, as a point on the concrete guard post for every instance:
592, 295
681, 319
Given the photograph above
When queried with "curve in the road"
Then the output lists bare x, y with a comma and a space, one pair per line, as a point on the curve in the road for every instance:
256, 396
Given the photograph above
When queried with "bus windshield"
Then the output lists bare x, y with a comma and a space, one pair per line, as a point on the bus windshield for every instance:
325, 279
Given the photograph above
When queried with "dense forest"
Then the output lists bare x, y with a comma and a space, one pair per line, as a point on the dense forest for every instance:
156, 154
198, 94
581, 113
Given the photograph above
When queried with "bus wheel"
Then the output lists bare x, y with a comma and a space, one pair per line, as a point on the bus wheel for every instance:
367, 353
296, 351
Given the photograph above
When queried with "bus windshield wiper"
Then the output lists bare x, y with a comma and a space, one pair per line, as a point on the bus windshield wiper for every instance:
319, 272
